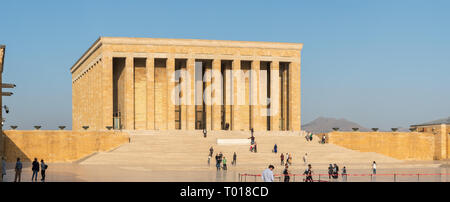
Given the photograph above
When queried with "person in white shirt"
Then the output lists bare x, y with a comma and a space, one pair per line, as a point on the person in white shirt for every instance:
267, 175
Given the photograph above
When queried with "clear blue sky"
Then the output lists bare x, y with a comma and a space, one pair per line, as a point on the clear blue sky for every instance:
380, 63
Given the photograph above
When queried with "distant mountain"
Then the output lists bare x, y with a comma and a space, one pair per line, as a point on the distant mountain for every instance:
436, 122
325, 124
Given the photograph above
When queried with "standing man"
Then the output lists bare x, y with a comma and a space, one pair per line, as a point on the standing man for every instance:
3, 167
234, 159
224, 162
344, 174
286, 174
374, 167
211, 151
330, 171
18, 170
35, 169
267, 175
305, 159
43, 169
217, 162
282, 159
252, 138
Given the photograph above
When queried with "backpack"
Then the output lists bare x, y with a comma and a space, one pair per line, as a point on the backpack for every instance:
46, 166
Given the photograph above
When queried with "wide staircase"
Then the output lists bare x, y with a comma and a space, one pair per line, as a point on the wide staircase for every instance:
188, 150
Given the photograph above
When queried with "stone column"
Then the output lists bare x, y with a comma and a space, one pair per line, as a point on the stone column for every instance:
275, 98
190, 95
106, 92
207, 96
129, 93
150, 67
235, 125
184, 85
216, 96
257, 119
170, 67
294, 96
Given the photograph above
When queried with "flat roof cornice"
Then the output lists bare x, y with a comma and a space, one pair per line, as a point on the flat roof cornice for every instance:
183, 42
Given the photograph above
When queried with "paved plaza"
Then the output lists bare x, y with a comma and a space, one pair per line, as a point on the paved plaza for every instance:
75, 172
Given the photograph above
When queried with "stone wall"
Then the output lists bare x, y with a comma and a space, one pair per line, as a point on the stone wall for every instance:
400, 145
59, 145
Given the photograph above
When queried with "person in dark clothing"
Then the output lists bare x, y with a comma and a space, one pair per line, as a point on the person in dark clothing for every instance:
252, 138
275, 148
217, 162
35, 169
336, 171
286, 174
344, 174
255, 148
211, 151
282, 158
234, 159
18, 170
43, 169
309, 173
330, 171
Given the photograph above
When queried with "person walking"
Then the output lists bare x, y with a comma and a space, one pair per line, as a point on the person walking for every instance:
234, 159
282, 159
275, 148
3, 167
267, 175
287, 157
211, 151
204, 132
43, 169
305, 159
18, 170
35, 169
209, 160
374, 168
286, 174
309, 174
254, 149
344, 174
224, 163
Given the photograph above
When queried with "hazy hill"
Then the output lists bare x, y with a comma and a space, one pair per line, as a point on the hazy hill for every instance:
325, 124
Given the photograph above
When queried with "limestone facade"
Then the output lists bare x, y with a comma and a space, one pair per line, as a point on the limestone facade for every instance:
187, 84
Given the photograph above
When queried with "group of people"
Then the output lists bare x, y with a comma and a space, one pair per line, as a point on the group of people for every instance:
253, 145
35, 168
287, 157
221, 160
333, 171
309, 136
267, 175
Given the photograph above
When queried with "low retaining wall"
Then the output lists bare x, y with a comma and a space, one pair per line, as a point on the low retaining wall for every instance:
399, 145
58, 145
